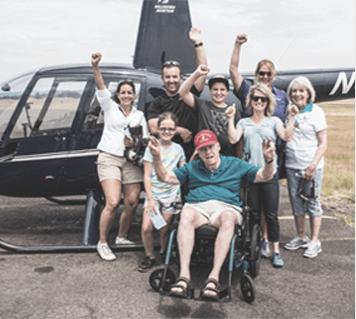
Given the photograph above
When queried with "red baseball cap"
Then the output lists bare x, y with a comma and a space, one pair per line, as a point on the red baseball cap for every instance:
204, 138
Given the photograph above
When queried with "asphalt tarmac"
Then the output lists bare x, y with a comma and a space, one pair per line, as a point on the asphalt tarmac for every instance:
81, 285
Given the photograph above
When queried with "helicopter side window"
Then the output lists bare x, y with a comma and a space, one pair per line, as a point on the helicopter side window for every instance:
50, 108
9, 97
94, 119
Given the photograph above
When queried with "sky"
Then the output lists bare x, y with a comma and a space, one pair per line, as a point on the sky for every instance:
302, 34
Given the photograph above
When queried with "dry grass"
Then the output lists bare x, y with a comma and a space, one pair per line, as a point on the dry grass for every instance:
339, 171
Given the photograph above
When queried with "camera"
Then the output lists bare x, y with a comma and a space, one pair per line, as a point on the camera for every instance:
307, 189
135, 153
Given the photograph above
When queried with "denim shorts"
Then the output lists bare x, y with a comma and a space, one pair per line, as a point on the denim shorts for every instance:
300, 206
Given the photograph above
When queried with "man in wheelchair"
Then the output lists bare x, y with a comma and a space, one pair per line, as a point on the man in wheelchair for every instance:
213, 198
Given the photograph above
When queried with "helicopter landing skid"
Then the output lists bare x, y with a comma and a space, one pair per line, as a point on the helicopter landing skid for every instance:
90, 234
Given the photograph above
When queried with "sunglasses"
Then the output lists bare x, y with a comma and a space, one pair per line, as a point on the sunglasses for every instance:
256, 98
170, 129
126, 81
175, 63
264, 73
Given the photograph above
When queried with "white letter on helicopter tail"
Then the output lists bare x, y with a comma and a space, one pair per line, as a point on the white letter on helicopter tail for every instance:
342, 79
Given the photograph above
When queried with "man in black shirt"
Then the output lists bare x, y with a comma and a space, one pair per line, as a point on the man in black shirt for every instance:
171, 101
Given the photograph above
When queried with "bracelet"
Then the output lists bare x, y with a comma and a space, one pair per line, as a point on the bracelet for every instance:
313, 164
198, 44
269, 162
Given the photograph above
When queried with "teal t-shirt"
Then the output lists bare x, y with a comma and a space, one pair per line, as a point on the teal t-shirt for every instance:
223, 184
253, 137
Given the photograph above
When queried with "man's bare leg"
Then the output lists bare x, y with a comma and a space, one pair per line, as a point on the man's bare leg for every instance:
226, 224
190, 220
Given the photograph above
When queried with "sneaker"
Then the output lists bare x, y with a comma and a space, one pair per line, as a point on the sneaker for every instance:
123, 241
105, 252
313, 250
265, 252
297, 243
277, 260
147, 263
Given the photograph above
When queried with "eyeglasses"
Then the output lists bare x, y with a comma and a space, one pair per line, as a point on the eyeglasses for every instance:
256, 98
170, 129
175, 63
261, 73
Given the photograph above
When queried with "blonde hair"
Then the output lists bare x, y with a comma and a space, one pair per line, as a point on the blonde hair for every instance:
269, 64
266, 91
304, 82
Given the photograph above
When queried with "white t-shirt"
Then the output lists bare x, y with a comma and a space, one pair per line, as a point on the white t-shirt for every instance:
116, 122
300, 151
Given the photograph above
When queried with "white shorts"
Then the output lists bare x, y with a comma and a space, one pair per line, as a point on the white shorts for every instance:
213, 208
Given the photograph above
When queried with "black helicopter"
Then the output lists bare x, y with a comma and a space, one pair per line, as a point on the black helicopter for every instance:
50, 122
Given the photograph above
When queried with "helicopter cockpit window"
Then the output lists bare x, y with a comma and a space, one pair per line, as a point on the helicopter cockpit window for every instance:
50, 108
94, 119
10, 94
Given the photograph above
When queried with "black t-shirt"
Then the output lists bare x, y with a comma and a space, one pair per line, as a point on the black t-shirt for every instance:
213, 118
184, 113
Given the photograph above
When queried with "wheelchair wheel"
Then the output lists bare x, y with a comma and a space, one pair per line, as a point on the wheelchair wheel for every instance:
255, 252
157, 276
247, 288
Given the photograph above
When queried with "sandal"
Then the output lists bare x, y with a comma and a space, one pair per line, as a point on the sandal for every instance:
216, 290
187, 292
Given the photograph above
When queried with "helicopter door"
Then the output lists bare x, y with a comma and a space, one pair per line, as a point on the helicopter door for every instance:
81, 162
40, 138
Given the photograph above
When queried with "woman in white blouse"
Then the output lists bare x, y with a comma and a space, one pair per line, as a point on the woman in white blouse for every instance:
116, 174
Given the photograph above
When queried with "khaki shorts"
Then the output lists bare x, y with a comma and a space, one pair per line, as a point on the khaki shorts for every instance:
213, 208
117, 167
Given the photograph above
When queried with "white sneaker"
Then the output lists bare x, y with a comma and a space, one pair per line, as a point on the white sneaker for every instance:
105, 251
265, 252
297, 243
123, 241
313, 250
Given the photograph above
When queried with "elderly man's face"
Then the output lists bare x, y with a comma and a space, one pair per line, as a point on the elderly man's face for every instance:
210, 154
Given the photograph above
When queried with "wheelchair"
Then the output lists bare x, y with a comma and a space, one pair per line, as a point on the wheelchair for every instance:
244, 256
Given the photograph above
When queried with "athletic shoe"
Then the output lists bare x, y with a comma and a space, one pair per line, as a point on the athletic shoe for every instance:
277, 260
105, 252
123, 241
147, 263
313, 250
265, 252
297, 243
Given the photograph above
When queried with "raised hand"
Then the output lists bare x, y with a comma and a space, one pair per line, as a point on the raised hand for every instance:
154, 146
195, 35
241, 38
202, 70
268, 150
293, 110
230, 111
95, 58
